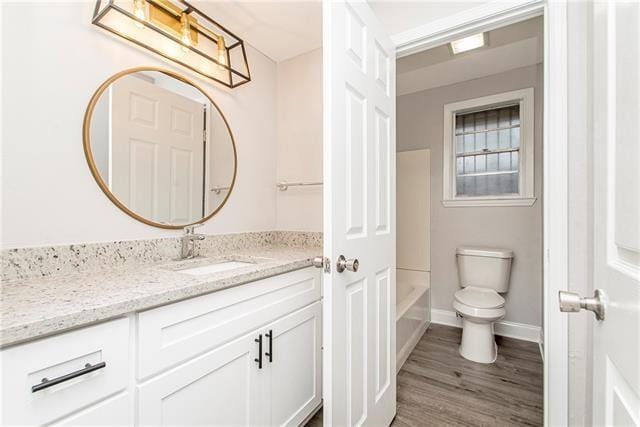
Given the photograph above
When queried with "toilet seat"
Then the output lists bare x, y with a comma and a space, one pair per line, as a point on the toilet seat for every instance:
479, 298
479, 303
479, 314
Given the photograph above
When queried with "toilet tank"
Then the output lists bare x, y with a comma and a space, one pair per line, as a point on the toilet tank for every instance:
484, 267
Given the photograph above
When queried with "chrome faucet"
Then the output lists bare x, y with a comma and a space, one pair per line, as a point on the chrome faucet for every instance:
189, 241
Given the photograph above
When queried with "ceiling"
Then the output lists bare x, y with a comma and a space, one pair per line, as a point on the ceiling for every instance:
279, 29
284, 29
399, 16
287, 28
514, 46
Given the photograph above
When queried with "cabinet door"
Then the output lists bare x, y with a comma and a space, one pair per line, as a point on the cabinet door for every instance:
223, 387
295, 381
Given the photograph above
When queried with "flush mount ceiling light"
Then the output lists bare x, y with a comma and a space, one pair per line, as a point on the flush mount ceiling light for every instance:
179, 32
468, 43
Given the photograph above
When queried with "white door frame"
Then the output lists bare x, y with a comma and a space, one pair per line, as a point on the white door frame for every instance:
487, 17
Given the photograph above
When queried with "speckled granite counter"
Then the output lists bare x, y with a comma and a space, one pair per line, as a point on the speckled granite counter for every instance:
35, 307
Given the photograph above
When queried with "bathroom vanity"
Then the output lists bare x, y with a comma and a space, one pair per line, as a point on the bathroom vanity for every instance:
217, 340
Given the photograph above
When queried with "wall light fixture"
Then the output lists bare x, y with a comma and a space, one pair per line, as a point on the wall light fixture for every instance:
179, 32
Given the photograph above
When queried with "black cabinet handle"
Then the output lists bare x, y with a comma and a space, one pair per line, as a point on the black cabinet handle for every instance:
259, 359
269, 354
46, 383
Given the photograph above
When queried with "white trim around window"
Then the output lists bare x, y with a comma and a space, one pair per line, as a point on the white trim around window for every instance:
525, 197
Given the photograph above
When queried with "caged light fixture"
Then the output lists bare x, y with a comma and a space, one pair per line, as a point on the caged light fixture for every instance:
179, 32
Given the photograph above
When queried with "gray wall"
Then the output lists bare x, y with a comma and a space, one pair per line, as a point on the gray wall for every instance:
420, 125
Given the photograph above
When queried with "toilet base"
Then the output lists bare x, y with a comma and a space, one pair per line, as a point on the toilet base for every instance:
478, 343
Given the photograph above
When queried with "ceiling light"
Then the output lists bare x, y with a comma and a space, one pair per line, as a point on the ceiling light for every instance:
468, 43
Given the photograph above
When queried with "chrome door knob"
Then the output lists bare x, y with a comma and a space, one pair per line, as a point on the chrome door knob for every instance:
571, 302
347, 264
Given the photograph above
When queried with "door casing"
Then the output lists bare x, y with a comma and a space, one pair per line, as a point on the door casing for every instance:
555, 160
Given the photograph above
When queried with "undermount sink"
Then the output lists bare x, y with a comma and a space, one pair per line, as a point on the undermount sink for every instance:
215, 268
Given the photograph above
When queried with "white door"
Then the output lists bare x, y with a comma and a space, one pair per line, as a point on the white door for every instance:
224, 387
359, 217
616, 217
293, 357
156, 144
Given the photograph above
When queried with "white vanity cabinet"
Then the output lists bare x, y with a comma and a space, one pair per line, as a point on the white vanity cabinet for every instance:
250, 355
231, 386
244, 356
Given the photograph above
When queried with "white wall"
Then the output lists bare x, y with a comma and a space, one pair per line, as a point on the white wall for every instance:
420, 125
50, 71
300, 141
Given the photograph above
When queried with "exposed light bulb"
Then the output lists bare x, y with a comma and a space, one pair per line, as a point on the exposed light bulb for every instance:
139, 12
222, 53
185, 31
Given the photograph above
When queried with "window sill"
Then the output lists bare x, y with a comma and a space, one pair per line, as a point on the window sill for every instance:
484, 202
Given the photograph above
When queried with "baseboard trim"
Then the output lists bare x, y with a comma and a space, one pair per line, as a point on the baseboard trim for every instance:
503, 328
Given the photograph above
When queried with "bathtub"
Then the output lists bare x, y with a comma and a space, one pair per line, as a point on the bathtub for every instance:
413, 312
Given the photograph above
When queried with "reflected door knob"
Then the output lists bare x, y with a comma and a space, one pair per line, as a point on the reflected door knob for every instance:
347, 264
571, 302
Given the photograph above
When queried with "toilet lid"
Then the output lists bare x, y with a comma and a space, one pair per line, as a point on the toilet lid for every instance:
479, 297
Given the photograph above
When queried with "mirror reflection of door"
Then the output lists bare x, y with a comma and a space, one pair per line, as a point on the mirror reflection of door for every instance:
156, 150
161, 148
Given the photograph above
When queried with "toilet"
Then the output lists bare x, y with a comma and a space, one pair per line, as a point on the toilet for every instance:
484, 274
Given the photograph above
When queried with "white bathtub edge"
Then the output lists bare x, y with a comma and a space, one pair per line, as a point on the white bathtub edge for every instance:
407, 349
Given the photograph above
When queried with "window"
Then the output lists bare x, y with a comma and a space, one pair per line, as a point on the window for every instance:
488, 151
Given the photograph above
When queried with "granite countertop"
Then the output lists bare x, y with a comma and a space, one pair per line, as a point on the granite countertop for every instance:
36, 307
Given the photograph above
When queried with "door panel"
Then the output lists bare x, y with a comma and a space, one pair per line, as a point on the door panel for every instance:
359, 216
356, 163
356, 352
384, 323
617, 209
382, 170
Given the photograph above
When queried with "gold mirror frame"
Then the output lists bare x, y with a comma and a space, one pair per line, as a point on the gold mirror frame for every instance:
86, 143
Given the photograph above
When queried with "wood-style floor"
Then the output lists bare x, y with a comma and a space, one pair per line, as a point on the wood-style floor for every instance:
438, 387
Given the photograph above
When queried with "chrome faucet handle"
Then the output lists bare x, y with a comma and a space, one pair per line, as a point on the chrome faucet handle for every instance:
189, 229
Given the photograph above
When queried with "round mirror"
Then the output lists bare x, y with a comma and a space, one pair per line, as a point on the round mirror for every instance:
159, 147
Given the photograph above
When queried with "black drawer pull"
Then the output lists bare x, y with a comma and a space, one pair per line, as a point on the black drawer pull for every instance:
270, 353
259, 359
50, 383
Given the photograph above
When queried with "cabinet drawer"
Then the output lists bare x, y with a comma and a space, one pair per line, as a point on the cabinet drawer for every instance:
115, 411
177, 332
65, 357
